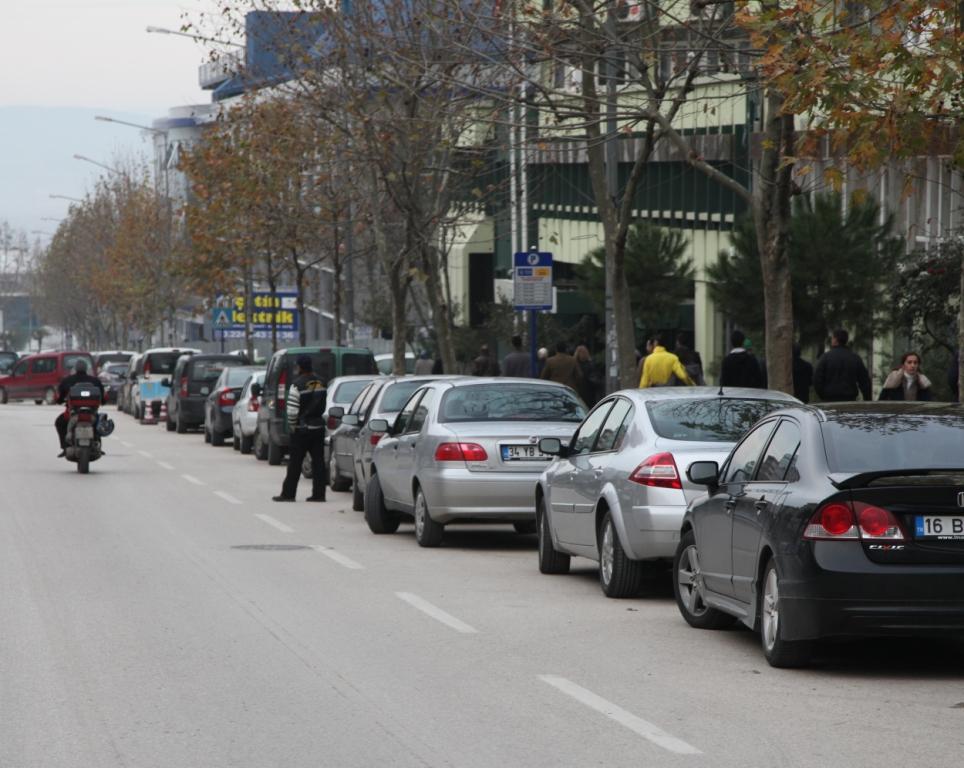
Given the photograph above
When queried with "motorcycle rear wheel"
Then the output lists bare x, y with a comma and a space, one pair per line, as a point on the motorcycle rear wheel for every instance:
83, 459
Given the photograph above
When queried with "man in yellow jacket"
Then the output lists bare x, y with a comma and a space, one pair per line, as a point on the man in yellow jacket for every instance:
660, 366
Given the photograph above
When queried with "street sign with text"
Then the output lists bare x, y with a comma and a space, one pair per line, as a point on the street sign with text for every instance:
278, 311
532, 280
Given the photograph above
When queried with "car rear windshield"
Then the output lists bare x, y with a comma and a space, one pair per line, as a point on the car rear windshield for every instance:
161, 362
869, 442
209, 370
357, 364
708, 420
237, 376
511, 402
396, 395
348, 390
114, 357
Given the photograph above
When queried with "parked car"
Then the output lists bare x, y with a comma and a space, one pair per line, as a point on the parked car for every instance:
466, 449
617, 493
36, 377
191, 382
128, 380
219, 404
7, 360
342, 390
244, 415
352, 442
386, 363
111, 376
271, 439
151, 384
113, 356
840, 520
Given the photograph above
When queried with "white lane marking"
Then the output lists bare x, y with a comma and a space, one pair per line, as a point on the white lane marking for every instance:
146, 455
193, 479
436, 613
227, 497
165, 465
126, 444
338, 557
644, 728
275, 523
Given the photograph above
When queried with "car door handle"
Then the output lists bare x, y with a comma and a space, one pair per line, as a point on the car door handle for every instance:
760, 505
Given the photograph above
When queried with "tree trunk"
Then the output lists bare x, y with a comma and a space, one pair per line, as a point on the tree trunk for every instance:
772, 218
440, 308
398, 290
960, 323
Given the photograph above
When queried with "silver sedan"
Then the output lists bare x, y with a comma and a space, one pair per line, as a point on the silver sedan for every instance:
466, 449
617, 492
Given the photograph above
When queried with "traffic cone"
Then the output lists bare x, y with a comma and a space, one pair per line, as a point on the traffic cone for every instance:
163, 416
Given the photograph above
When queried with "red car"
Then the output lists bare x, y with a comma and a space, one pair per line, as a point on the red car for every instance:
35, 377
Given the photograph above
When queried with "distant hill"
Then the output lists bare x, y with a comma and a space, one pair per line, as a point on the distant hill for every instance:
37, 145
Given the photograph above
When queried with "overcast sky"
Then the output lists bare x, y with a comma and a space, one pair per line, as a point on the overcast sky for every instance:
90, 57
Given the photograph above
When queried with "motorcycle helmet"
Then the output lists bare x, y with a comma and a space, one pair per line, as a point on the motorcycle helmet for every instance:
105, 426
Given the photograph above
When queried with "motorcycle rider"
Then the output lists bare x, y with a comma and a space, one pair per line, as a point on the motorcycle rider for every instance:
79, 376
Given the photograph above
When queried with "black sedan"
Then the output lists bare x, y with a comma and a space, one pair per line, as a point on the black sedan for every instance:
839, 520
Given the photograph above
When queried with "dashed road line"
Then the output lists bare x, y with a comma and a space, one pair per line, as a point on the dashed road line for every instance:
644, 728
126, 444
275, 523
436, 613
338, 557
146, 455
165, 465
227, 497
193, 479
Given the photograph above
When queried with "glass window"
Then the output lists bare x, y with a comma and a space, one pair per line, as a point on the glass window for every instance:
585, 436
421, 412
44, 365
405, 416
347, 391
208, 370
71, 360
744, 458
20, 368
237, 376
162, 362
396, 394
709, 420
779, 462
356, 364
7, 359
358, 404
613, 431
511, 402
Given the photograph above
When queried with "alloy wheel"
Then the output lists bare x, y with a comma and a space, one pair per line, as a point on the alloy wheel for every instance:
690, 580
770, 609
606, 554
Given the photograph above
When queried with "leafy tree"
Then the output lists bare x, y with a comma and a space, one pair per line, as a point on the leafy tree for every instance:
842, 264
658, 274
925, 308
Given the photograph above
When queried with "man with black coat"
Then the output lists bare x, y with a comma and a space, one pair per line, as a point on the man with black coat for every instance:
802, 376
305, 411
740, 367
79, 376
840, 372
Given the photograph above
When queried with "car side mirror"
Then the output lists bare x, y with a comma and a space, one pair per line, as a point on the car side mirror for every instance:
378, 425
704, 473
350, 419
256, 390
336, 412
553, 446
166, 382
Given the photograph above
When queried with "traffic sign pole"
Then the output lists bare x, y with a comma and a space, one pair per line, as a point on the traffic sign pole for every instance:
532, 291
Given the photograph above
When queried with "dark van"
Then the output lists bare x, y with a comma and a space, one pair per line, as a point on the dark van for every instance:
271, 437
190, 385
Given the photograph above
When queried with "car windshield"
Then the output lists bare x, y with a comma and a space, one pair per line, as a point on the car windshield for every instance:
396, 395
511, 402
868, 442
209, 370
237, 376
347, 391
7, 359
161, 362
114, 370
709, 419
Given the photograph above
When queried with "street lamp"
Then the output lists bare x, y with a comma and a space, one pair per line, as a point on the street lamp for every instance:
66, 197
98, 163
162, 164
165, 31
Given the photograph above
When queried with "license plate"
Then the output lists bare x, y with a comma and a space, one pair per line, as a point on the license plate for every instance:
523, 453
939, 527
84, 432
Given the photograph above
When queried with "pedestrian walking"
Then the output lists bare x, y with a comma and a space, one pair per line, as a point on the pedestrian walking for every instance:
517, 362
661, 368
690, 359
802, 376
840, 374
906, 382
485, 364
424, 364
563, 367
740, 368
305, 411
588, 387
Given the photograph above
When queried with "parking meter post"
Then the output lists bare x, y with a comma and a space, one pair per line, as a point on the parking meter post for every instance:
533, 345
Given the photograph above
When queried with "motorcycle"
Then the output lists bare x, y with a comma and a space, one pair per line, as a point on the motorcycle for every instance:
85, 426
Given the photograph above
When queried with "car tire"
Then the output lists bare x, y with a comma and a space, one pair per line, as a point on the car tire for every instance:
207, 435
357, 496
379, 518
260, 449
3, 396
335, 481
527, 528
245, 445
551, 560
779, 652
169, 424
619, 576
50, 396
181, 427
235, 442
217, 438
275, 454
688, 588
141, 417
428, 533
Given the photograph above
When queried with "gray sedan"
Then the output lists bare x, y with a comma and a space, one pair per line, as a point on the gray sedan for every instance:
466, 449
618, 491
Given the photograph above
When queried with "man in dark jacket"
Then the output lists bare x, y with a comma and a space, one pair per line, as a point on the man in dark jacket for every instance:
517, 362
484, 364
740, 368
802, 376
840, 373
79, 376
305, 411
563, 367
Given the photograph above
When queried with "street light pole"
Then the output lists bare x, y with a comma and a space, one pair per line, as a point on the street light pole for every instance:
106, 167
